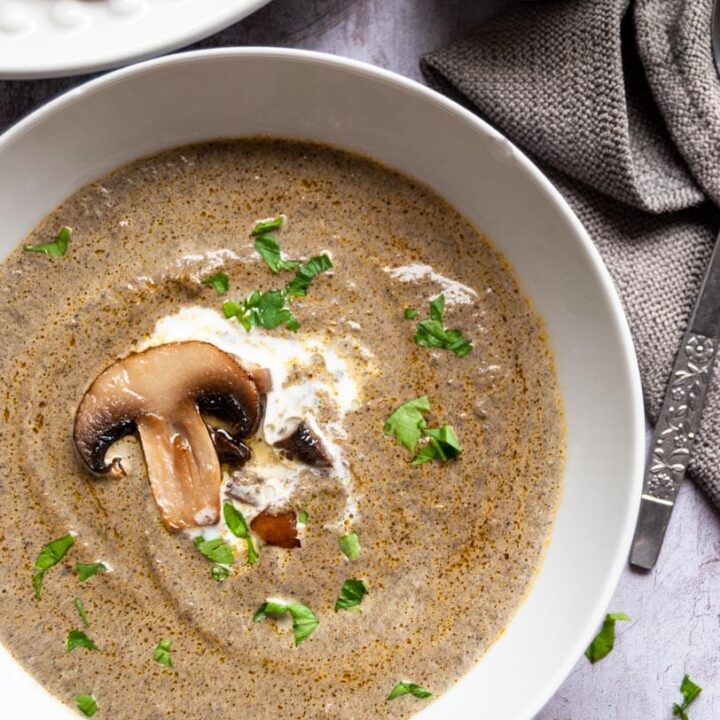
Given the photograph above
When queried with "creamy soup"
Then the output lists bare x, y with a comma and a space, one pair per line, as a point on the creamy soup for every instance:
436, 514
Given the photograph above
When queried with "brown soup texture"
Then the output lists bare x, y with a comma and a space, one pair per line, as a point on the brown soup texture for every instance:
448, 548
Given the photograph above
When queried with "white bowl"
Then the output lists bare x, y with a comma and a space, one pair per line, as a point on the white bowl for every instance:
199, 96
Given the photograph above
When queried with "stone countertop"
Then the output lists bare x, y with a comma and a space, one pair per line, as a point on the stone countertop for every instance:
675, 608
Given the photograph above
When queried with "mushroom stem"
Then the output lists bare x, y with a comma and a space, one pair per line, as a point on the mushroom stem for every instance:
183, 468
160, 393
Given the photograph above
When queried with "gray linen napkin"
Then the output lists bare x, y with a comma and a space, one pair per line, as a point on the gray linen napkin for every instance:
619, 103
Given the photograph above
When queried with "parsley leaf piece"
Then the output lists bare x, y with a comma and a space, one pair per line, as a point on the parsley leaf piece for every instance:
604, 641
86, 570
269, 249
238, 526
218, 281
265, 226
406, 423
302, 517
50, 555
272, 311
433, 333
431, 451
298, 286
406, 688
437, 308
447, 439
77, 638
266, 309
350, 545
220, 573
235, 520
217, 550
81, 611
304, 619
57, 248
236, 309
689, 691
351, 595
443, 445
162, 653
410, 314
86, 704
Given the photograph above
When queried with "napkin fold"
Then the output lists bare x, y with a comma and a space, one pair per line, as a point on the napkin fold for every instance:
619, 103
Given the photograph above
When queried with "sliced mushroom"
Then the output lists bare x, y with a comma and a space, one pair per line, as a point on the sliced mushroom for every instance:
277, 529
249, 494
304, 444
160, 393
263, 379
229, 449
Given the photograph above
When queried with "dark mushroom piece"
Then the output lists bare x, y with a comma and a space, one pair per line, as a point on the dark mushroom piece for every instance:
160, 394
229, 449
304, 444
278, 529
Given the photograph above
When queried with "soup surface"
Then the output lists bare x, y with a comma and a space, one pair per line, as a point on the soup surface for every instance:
447, 548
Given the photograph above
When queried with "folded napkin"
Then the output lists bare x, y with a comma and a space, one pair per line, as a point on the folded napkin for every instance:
619, 103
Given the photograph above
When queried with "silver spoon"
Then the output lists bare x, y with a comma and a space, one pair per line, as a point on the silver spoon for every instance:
679, 419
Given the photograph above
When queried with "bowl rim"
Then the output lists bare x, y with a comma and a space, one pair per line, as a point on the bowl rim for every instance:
617, 315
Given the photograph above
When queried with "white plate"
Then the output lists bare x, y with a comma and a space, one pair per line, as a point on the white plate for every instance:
50, 38
199, 96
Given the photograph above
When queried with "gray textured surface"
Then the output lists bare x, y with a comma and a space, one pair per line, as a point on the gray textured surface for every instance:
676, 610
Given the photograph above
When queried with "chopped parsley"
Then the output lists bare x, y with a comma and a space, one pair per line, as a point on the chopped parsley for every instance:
77, 638
442, 445
86, 704
86, 570
350, 545
271, 309
305, 274
217, 551
406, 688
604, 641
302, 517
238, 526
218, 281
81, 611
50, 555
433, 333
304, 619
410, 314
267, 309
689, 691
265, 226
351, 595
162, 653
407, 425
57, 248
269, 249
220, 573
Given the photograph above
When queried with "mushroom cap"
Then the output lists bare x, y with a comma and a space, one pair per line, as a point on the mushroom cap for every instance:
305, 444
160, 393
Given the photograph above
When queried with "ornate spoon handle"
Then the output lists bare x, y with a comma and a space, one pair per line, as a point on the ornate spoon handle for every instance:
679, 420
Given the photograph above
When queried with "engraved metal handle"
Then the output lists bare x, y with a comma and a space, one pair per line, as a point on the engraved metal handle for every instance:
679, 420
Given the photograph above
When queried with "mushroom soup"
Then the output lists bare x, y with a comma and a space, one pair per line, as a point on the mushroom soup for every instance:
281, 435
